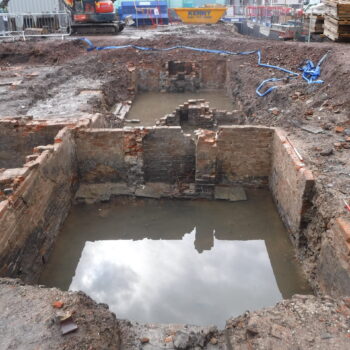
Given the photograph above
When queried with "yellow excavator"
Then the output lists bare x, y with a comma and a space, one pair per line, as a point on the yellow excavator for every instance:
90, 16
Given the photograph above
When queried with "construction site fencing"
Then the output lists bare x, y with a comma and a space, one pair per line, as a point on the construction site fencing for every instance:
24, 25
273, 14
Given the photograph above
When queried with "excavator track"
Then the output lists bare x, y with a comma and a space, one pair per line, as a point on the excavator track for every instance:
97, 28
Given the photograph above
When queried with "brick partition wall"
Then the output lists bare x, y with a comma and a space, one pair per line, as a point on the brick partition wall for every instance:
291, 184
244, 153
169, 156
100, 154
31, 217
18, 138
121, 161
179, 76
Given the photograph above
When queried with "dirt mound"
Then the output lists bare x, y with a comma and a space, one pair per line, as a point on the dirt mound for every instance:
33, 322
40, 51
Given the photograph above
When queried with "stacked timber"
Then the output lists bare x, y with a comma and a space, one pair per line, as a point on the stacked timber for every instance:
313, 23
337, 20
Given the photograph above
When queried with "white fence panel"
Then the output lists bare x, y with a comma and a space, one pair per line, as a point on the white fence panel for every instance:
28, 18
35, 6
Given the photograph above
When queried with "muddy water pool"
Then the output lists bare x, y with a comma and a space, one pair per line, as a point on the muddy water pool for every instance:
177, 261
149, 107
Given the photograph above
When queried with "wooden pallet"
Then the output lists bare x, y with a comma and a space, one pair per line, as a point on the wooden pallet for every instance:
314, 23
335, 36
337, 19
336, 28
339, 9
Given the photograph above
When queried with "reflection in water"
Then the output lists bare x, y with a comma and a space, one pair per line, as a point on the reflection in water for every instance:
165, 103
169, 281
177, 261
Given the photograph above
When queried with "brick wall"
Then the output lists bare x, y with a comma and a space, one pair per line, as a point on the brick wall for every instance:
244, 154
17, 139
169, 156
291, 184
31, 217
180, 76
213, 74
334, 259
100, 154
135, 156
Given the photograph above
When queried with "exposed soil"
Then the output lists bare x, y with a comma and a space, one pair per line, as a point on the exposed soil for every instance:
33, 322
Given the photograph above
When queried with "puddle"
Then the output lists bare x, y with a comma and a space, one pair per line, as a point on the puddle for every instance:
148, 107
172, 261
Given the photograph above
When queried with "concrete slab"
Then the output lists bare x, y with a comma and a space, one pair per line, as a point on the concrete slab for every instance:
230, 193
155, 190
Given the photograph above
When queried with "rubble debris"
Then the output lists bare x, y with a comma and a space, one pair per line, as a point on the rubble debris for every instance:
32, 319
181, 340
7, 191
327, 152
58, 304
198, 114
312, 129
339, 129
68, 325
275, 111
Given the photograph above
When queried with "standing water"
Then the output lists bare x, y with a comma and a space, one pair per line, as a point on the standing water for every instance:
149, 107
177, 261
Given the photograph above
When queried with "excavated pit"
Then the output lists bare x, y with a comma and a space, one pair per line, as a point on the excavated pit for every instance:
91, 165
74, 151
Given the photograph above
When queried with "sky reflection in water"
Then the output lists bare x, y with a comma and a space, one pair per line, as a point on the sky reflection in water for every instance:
169, 281
174, 261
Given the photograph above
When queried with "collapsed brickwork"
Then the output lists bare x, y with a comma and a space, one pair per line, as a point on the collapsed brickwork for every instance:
198, 114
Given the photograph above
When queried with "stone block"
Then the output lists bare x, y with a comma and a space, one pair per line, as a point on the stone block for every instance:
230, 193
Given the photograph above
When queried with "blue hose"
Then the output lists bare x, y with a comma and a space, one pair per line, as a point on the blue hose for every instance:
310, 72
